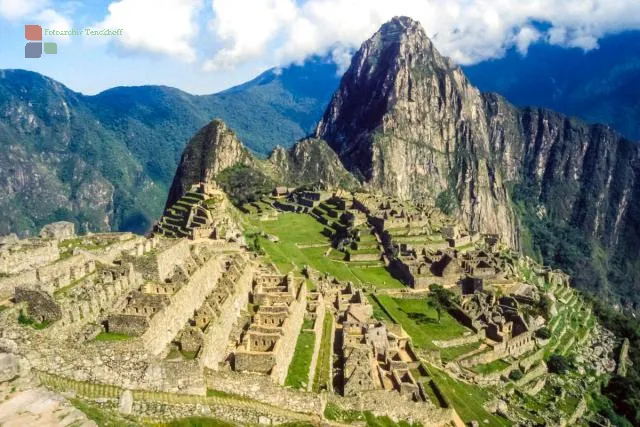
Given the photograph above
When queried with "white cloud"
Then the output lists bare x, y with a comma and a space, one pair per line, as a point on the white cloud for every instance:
467, 30
53, 20
165, 27
18, 9
525, 37
246, 27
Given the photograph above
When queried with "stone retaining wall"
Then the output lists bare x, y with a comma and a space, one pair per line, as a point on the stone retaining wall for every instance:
392, 405
291, 330
462, 340
169, 321
261, 388
28, 255
217, 334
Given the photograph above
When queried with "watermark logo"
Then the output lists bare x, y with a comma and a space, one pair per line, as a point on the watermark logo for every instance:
35, 46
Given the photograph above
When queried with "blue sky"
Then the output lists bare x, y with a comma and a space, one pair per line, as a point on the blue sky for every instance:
203, 46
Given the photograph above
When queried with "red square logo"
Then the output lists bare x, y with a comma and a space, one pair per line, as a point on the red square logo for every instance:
33, 32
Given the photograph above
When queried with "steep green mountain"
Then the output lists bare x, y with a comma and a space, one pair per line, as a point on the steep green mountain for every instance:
408, 122
600, 86
106, 161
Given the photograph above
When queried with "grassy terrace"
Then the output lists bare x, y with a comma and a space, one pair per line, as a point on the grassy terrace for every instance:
111, 336
452, 353
298, 375
299, 229
489, 368
323, 368
420, 321
467, 399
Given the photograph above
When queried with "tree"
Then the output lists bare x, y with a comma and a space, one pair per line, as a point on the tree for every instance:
558, 364
516, 374
436, 305
543, 333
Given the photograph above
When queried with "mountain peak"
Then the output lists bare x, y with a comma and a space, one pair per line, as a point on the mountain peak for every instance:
400, 25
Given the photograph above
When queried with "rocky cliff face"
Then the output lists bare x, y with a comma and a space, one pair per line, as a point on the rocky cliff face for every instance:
310, 160
407, 121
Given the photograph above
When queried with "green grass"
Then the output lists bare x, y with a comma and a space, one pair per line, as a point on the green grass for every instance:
100, 416
378, 276
325, 353
467, 399
23, 319
452, 353
491, 367
378, 311
298, 375
335, 413
112, 336
420, 321
292, 229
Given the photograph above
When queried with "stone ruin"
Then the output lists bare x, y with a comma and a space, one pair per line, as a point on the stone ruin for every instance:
60, 230
374, 355
202, 213
268, 344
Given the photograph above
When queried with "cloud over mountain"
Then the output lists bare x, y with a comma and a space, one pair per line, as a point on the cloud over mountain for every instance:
467, 30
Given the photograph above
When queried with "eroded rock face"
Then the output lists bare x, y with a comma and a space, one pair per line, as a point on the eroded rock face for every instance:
407, 121
310, 160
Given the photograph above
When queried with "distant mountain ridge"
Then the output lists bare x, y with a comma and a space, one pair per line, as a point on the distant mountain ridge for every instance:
599, 86
106, 161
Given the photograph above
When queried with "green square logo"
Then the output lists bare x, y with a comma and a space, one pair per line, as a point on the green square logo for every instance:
51, 48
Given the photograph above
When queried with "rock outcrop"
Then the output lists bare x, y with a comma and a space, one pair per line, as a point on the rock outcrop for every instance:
310, 160
213, 149
407, 121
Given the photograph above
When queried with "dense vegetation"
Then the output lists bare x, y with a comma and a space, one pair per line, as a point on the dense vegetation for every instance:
621, 394
244, 184
108, 160
557, 243
561, 245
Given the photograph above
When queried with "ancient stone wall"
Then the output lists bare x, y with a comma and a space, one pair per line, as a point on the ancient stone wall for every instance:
291, 330
41, 305
261, 388
455, 342
255, 361
168, 322
217, 333
9, 284
62, 273
128, 324
27, 255
94, 297
527, 362
534, 373
171, 256
383, 403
